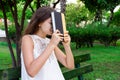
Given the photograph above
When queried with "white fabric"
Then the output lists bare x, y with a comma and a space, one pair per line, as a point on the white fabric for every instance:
50, 70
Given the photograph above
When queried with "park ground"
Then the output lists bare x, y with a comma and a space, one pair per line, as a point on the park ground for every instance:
105, 60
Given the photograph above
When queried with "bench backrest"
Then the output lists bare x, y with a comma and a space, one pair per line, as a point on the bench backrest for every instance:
15, 73
80, 68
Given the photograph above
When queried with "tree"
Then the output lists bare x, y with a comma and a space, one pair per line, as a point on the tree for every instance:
63, 5
76, 13
12, 6
116, 19
18, 17
98, 6
6, 30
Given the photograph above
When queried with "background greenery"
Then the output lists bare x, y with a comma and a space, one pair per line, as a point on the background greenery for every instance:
105, 60
94, 28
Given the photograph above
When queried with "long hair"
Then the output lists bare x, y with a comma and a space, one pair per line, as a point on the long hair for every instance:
38, 17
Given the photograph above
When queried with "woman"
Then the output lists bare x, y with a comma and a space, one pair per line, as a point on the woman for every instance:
39, 54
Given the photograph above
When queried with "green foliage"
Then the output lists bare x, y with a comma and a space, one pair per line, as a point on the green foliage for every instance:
76, 13
20, 6
5, 3
11, 31
98, 6
81, 36
103, 34
45, 2
105, 61
1, 14
116, 18
28, 13
95, 31
2, 26
92, 5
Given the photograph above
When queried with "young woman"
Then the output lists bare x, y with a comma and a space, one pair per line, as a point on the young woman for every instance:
39, 54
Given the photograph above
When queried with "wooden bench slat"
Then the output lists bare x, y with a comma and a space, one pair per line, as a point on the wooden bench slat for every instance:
13, 73
80, 58
78, 71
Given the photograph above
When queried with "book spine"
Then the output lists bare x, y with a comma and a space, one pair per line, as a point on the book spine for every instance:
63, 23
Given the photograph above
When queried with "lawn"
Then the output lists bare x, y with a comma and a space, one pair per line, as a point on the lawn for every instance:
5, 57
105, 61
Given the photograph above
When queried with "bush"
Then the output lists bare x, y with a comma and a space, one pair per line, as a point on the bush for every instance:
95, 31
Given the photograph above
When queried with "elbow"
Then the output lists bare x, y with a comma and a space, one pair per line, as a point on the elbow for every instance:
31, 74
71, 67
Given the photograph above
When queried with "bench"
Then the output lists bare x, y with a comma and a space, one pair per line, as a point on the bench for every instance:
81, 67
15, 74
10, 74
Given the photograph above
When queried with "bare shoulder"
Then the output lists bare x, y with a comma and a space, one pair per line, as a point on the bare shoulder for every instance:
27, 39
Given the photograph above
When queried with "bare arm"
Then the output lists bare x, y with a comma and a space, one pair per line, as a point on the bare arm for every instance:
66, 59
34, 65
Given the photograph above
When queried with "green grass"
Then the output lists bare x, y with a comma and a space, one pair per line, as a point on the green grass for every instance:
5, 57
105, 61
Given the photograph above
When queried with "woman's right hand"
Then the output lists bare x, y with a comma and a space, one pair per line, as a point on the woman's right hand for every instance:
56, 38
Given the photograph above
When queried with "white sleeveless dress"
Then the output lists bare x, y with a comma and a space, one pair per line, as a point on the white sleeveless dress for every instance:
50, 70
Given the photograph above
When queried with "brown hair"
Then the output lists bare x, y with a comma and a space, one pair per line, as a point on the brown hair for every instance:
38, 17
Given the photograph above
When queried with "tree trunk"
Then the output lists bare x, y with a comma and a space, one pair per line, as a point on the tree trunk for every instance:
18, 26
98, 15
38, 4
63, 5
54, 4
111, 17
19, 32
13, 8
31, 8
7, 36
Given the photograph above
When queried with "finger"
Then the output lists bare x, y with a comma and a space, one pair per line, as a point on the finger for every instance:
66, 35
65, 40
61, 35
66, 32
57, 31
61, 38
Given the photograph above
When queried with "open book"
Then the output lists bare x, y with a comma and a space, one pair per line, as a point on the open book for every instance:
58, 21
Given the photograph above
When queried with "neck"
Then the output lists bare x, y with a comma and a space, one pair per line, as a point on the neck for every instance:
41, 34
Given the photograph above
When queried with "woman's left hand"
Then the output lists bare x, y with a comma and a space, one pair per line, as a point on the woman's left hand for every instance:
67, 39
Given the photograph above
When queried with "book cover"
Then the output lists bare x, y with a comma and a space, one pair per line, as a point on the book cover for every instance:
58, 21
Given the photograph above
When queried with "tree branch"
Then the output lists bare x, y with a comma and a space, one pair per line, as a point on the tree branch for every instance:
23, 13
54, 4
31, 8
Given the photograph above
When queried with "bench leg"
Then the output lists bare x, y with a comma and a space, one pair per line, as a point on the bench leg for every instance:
79, 77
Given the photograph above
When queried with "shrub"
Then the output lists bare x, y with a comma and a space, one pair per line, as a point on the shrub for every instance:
95, 31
